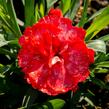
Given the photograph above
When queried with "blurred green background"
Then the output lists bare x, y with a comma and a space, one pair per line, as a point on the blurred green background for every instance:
15, 16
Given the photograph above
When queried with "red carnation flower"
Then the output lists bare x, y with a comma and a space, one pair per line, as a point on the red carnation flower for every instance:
53, 54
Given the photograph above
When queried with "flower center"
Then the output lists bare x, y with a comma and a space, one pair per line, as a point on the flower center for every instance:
54, 60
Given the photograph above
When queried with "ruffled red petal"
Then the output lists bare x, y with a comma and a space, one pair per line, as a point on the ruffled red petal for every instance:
53, 54
55, 12
91, 54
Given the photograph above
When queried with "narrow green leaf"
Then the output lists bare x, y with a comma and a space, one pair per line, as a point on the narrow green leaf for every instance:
29, 98
90, 92
2, 76
22, 108
29, 12
106, 57
50, 3
75, 4
3, 3
7, 52
97, 13
75, 99
4, 69
3, 41
13, 16
89, 101
40, 9
14, 42
100, 57
1, 67
104, 38
101, 70
103, 64
23, 1
65, 5
84, 14
8, 17
98, 24
37, 14
6, 20
100, 83
97, 45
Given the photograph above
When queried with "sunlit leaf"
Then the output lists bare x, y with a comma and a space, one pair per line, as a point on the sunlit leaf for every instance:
3, 41
40, 9
65, 5
103, 64
101, 70
98, 24
89, 101
37, 15
2, 76
97, 45
97, 13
